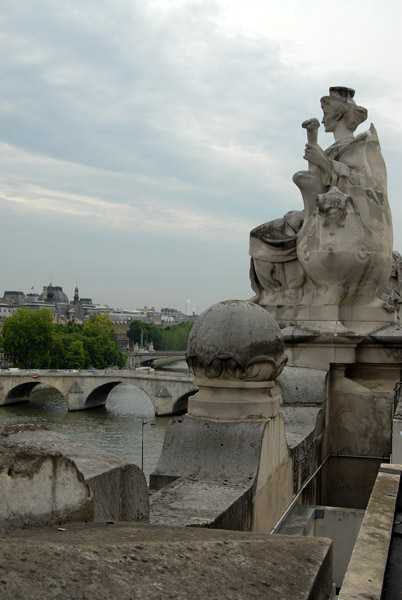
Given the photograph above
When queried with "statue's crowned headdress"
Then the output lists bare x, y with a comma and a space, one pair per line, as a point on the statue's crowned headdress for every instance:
342, 92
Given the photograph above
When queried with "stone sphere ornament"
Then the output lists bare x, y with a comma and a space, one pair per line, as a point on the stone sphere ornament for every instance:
236, 339
235, 351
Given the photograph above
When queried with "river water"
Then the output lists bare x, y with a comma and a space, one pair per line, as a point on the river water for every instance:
125, 426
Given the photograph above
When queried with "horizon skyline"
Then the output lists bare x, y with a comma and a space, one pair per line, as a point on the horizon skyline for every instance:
101, 304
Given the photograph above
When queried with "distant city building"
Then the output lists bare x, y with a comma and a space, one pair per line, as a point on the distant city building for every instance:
31, 297
16, 298
54, 297
152, 315
125, 316
146, 310
172, 316
79, 309
6, 310
53, 293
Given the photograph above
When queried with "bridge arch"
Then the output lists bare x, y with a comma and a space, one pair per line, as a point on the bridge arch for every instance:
22, 391
181, 404
98, 396
143, 388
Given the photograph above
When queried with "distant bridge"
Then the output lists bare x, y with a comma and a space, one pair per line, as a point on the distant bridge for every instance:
82, 390
144, 358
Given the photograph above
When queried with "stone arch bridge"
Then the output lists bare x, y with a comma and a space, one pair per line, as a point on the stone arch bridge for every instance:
82, 390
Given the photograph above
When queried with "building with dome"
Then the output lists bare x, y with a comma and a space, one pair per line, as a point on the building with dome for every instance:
53, 298
53, 293
56, 300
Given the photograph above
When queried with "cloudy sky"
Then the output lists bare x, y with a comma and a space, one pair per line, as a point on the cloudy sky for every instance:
141, 140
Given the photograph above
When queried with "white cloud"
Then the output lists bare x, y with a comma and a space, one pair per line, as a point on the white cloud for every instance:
151, 215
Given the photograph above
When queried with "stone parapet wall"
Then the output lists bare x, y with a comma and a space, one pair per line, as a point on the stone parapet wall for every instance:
366, 571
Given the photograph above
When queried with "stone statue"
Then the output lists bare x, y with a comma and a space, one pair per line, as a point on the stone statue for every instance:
338, 251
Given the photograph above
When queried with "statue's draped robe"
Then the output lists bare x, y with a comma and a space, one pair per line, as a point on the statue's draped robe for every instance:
358, 169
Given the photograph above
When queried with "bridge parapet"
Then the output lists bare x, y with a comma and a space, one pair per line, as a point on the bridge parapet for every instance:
167, 392
138, 359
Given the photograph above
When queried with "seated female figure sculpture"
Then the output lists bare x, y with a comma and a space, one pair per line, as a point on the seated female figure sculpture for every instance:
339, 250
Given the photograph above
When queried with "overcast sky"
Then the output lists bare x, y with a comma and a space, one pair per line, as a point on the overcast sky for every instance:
142, 140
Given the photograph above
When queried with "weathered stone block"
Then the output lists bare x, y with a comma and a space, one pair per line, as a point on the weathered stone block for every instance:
41, 487
119, 488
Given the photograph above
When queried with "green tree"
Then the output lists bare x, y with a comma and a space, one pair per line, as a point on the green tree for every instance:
150, 333
58, 358
139, 331
171, 338
31, 340
75, 355
27, 338
99, 340
176, 337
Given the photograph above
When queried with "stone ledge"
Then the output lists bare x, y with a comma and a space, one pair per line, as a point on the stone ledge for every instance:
303, 386
131, 560
302, 423
193, 503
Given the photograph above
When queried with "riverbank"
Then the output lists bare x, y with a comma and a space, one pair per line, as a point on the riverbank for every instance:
126, 426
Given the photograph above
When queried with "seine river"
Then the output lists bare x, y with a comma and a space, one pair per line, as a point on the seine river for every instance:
125, 426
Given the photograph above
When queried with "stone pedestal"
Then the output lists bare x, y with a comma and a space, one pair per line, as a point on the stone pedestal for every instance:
227, 464
225, 399
229, 474
319, 345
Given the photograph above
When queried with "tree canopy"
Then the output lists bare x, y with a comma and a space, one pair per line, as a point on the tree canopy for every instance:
27, 338
171, 338
31, 340
99, 342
